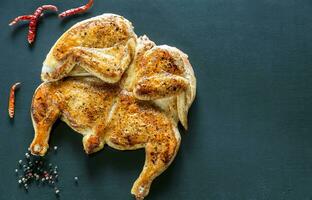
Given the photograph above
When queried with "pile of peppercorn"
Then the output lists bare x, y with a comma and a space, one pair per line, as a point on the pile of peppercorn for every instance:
34, 169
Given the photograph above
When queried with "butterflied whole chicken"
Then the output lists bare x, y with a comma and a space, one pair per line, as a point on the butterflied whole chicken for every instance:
137, 106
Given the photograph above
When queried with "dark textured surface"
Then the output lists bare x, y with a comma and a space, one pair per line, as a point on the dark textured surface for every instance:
250, 127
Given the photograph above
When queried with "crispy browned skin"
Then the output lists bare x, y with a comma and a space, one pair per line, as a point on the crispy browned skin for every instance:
102, 46
104, 113
159, 75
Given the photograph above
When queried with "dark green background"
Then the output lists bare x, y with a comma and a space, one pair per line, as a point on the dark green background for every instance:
250, 126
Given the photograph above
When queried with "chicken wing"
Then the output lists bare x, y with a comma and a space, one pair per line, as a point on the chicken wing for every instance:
102, 46
164, 72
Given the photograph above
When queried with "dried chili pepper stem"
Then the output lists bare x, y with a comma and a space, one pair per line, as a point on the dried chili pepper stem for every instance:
11, 109
74, 11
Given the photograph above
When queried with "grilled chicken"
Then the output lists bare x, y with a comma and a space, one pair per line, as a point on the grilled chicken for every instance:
140, 109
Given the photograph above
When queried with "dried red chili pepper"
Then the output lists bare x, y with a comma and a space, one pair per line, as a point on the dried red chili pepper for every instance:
33, 20
11, 109
74, 11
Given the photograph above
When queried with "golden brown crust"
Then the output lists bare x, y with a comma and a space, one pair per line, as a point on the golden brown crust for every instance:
160, 86
82, 101
101, 32
160, 60
137, 122
159, 74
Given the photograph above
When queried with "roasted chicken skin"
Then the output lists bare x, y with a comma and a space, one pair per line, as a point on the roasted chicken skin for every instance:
140, 108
